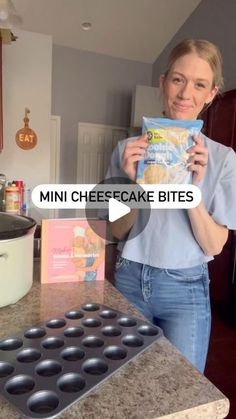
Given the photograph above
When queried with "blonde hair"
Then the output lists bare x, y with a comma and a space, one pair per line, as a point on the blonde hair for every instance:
205, 50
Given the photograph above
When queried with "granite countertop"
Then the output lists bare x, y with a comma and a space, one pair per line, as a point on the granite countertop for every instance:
158, 383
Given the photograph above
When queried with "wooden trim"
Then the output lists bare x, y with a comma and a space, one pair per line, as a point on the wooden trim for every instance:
1, 112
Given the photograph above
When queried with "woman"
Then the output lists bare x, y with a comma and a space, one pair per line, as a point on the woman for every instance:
163, 271
95, 250
87, 253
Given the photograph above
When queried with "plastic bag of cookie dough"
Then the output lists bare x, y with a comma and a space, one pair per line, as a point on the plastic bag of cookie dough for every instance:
166, 157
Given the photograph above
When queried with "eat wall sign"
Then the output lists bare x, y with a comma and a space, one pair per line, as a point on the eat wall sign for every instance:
26, 137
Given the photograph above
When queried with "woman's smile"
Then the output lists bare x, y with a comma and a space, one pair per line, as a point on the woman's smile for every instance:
182, 106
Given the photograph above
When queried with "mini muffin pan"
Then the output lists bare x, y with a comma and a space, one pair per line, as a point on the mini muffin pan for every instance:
48, 367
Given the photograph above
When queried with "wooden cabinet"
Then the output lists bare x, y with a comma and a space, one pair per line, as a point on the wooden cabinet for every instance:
220, 119
220, 125
220, 271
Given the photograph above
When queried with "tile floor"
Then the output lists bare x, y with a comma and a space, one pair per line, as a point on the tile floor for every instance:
221, 360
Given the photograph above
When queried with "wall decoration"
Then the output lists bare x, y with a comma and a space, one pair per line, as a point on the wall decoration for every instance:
26, 137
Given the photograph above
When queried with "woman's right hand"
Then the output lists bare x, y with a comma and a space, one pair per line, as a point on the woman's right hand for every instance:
134, 152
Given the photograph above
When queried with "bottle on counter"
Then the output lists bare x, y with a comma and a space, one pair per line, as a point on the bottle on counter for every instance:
20, 186
26, 198
2, 191
12, 199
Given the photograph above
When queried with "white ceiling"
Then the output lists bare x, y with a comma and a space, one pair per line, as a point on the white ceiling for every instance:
133, 29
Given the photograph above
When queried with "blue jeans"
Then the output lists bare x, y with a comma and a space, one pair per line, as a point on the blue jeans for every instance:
177, 300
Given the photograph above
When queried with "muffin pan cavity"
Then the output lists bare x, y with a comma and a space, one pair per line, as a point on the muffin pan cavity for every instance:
48, 367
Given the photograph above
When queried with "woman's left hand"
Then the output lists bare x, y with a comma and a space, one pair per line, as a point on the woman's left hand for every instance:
198, 160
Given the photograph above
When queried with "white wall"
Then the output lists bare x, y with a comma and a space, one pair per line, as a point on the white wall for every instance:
27, 74
94, 88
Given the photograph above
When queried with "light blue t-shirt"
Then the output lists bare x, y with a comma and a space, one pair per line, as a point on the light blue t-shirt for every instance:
167, 242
